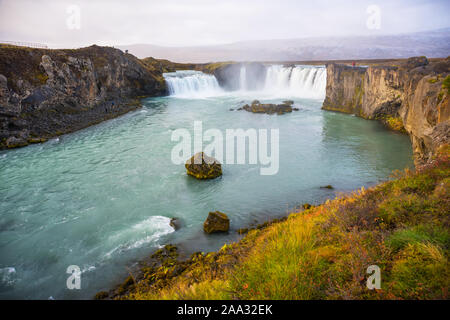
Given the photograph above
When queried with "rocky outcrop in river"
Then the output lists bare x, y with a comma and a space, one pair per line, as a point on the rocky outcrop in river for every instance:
269, 108
45, 93
412, 95
201, 166
216, 222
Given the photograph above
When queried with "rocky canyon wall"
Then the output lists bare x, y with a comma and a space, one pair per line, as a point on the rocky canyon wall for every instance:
410, 96
45, 93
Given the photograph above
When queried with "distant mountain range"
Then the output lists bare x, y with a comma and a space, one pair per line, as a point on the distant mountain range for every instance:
429, 43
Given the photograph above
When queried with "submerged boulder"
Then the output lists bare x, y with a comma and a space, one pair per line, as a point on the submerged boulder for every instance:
175, 223
216, 222
201, 166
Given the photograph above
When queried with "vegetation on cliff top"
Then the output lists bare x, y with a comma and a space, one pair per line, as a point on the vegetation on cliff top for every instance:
212, 67
22, 63
323, 252
161, 66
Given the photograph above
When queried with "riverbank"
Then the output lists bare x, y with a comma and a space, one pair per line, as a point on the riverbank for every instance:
45, 93
323, 252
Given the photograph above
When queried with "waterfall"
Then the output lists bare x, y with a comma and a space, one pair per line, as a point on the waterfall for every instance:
191, 84
280, 81
243, 78
296, 81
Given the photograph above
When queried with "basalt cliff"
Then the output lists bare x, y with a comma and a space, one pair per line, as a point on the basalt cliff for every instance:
45, 93
410, 95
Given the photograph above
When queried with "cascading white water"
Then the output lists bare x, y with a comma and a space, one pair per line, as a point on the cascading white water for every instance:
296, 81
281, 81
191, 84
243, 78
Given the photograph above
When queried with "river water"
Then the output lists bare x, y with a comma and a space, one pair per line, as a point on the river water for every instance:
102, 198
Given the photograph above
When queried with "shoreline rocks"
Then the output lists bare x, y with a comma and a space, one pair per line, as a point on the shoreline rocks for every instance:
216, 222
201, 166
306, 206
175, 223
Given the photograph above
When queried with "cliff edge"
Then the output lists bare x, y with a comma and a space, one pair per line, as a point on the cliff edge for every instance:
410, 95
45, 93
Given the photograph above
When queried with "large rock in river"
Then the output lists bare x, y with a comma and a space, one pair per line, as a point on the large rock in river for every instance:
269, 108
216, 222
203, 167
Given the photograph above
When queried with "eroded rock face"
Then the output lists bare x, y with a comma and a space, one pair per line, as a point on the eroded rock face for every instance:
410, 93
269, 108
45, 93
344, 88
216, 222
201, 166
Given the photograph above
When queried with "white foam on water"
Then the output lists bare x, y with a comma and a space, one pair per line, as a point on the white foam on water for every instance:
8, 276
144, 232
88, 268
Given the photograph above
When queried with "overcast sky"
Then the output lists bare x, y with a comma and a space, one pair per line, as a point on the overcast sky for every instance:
207, 22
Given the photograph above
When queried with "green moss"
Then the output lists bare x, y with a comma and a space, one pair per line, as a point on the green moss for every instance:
418, 272
446, 84
440, 96
393, 122
212, 67
159, 66
420, 184
42, 78
125, 285
421, 233
359, 94
36, 140
101, 295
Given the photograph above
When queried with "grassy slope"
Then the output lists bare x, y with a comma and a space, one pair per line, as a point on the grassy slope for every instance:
323, 253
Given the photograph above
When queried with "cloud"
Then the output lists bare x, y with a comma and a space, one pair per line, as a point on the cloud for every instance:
206, 22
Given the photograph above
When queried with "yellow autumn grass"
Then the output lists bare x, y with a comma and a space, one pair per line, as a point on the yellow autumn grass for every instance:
324, 252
